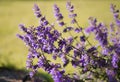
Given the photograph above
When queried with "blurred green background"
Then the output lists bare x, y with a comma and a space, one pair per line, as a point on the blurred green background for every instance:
13, 52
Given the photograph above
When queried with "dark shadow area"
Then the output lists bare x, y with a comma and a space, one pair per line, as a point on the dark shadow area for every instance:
13, 75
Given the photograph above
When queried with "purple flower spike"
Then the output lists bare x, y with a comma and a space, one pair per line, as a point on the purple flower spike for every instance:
31, 74
29, 64
72, 15
23, 28
111, 75
115, 61
70, 40
89, 29
82, 38
69, 7
61, 24
58, 15
84, 61
45, 23
112, 7
56, 9
30, 56
36, 8
20, 36
67, 29
118, 22
73, 21
77, 30
37, 11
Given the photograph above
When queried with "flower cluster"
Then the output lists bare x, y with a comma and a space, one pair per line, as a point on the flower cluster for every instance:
90, 60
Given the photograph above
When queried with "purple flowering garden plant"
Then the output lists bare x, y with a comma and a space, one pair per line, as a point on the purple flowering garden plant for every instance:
100, 60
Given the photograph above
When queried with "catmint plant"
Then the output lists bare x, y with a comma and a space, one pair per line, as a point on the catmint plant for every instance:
91, 61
